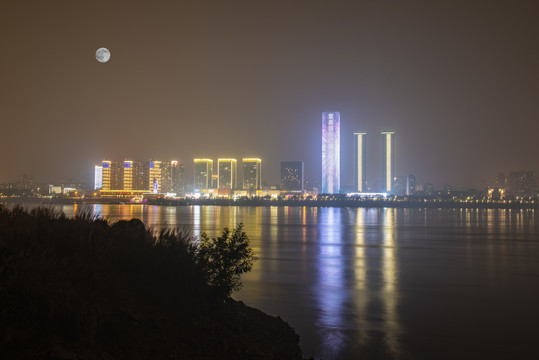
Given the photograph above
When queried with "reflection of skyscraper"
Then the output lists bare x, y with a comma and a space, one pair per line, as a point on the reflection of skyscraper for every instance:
227, 171
203, 173
331, 138
360, 161
252, 173
292, 176
388, 166
98, 177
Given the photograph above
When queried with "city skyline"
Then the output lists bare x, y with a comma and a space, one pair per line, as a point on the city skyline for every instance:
262, 76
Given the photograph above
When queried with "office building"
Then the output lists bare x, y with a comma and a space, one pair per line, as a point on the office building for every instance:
203, 173
252, 173
388, 165
360, 162
292, 177
98, 177
227, 173
331, 172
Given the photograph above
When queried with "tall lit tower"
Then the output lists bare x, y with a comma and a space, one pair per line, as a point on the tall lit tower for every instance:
98, 177
227, 172
203, 173
252, 173
331, 143
360, 161
388, 166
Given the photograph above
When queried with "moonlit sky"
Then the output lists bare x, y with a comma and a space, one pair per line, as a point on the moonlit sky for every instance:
458, 81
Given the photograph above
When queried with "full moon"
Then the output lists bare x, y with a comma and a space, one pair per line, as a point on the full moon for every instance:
102, 55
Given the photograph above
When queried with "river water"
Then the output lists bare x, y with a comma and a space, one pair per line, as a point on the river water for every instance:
382, 283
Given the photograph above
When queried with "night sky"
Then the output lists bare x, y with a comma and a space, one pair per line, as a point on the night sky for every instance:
458, 81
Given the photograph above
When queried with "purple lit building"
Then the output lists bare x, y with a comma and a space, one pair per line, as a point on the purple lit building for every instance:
331, 144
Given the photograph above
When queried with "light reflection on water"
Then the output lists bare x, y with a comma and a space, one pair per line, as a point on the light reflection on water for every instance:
381, 283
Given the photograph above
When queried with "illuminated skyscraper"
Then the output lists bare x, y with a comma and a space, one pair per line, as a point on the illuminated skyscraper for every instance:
292, 176
112, 175
140, 175
360, 161
128, 175
172, 177
252, 173
227, 171
98, 177
203, 173
155, 176
331, 139
388, 166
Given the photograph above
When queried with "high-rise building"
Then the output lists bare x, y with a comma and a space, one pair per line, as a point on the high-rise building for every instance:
172, 177
155, 178
252, 173
292, 177
203, 173
141, 178
410, 185
360, 161
388, 166
331, 139
177, 182
227, 172
521, 183
98, 177
112, 175
128, 175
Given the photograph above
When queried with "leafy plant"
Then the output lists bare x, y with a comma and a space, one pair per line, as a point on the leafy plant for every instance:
225, 258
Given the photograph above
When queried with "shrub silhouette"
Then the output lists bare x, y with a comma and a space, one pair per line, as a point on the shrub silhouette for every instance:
82, 280
224, 259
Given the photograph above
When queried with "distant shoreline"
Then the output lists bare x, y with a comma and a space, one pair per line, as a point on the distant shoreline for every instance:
349, 203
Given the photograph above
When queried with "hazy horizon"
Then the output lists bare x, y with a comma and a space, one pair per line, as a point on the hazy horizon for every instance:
457, 82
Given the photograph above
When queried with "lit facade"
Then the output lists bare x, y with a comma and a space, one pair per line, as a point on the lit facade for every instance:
128, 175
252, 173
292, 177
227, 172
112, 175
360, 161
388, 166
331, 139
98, 177
155, 179
203, 173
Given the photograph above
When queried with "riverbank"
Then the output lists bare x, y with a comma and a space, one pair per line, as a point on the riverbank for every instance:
85, 289
340, 202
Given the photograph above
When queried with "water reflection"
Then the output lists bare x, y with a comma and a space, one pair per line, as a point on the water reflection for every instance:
381, 283
331, 287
